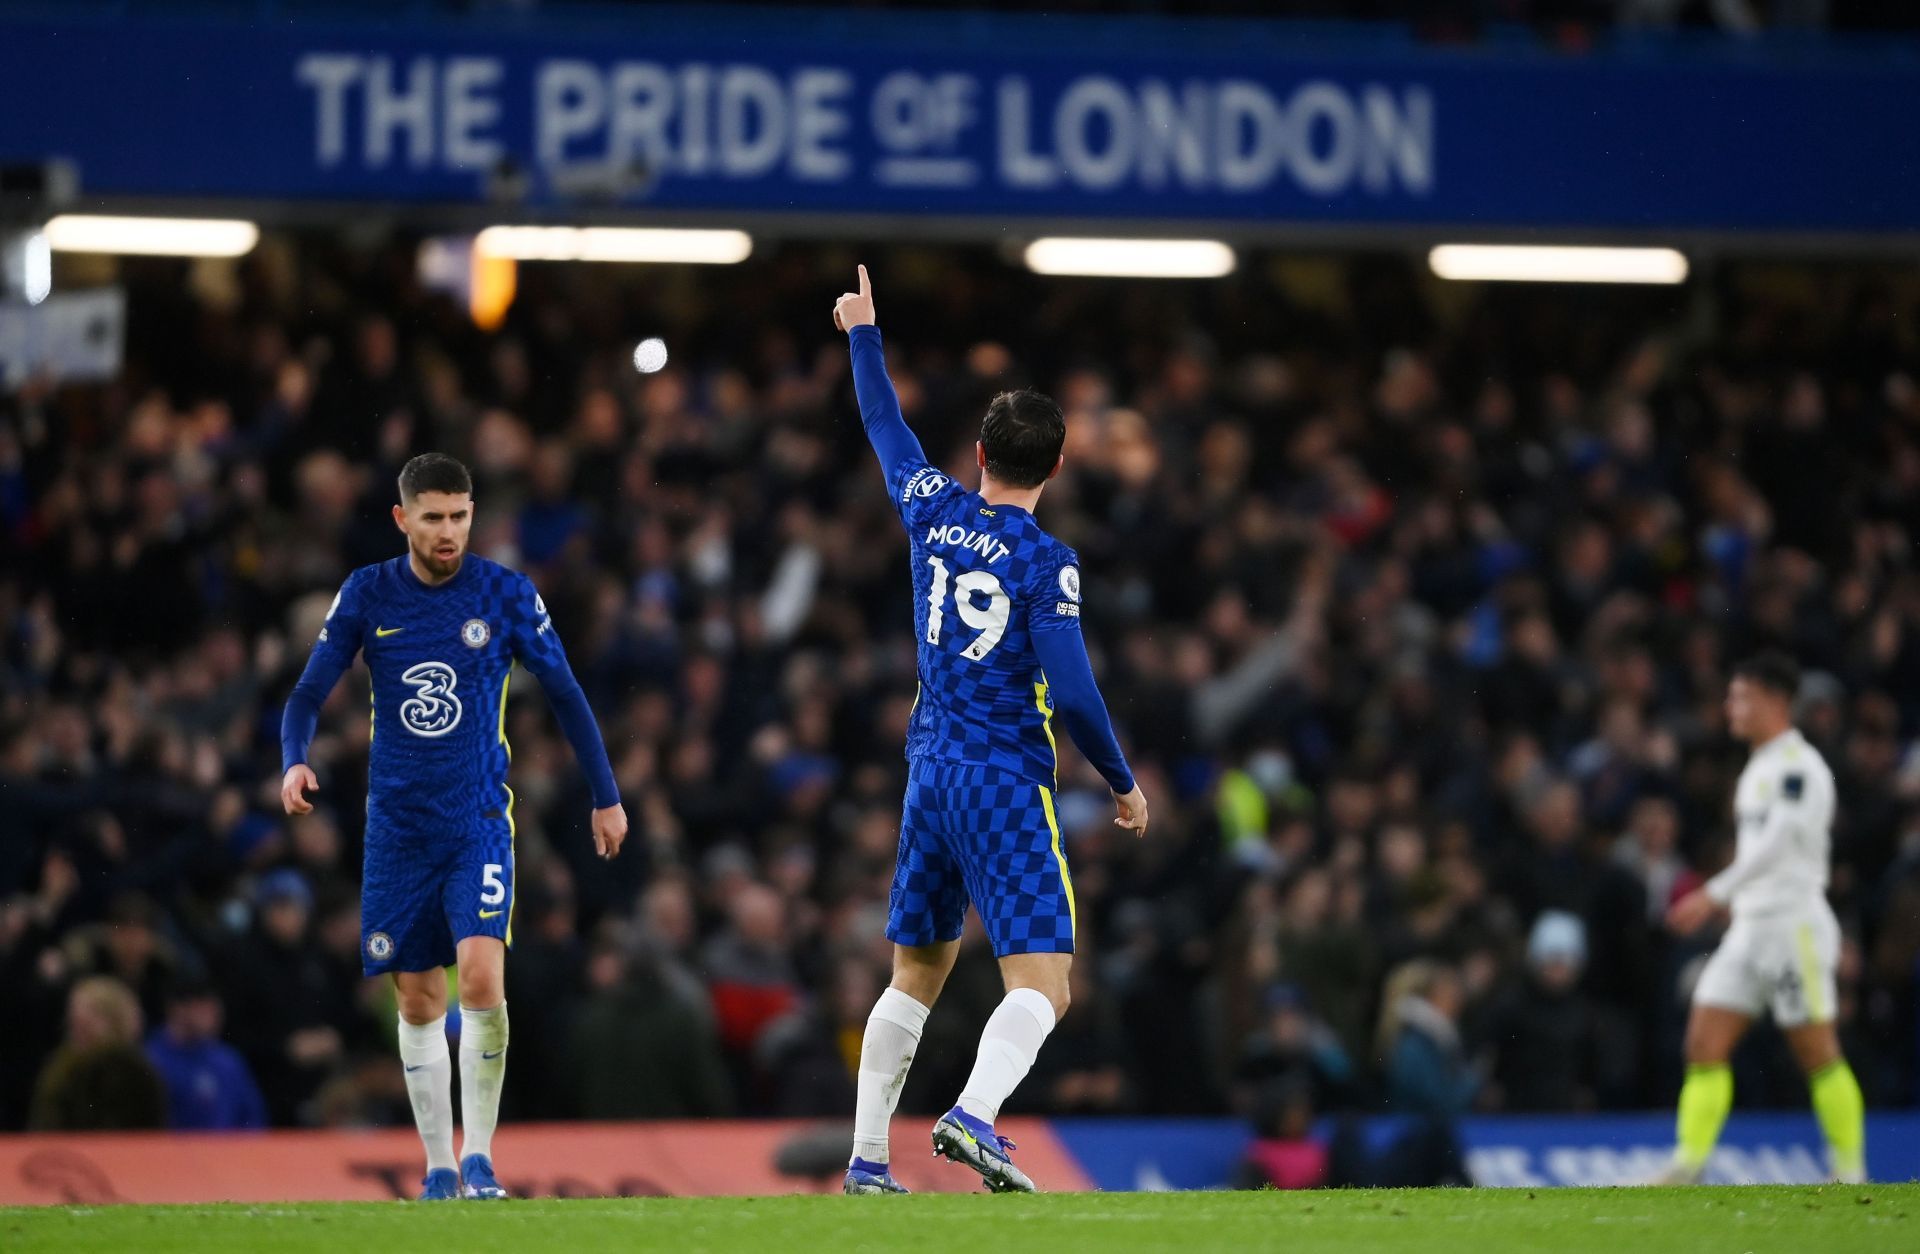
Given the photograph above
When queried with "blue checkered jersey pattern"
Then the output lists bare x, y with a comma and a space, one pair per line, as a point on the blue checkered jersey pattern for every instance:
440, 657
996, 611
985, 579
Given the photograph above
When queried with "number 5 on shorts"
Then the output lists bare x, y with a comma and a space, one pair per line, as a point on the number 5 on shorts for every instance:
492, 891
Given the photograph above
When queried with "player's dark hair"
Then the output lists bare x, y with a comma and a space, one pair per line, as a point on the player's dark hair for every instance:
1022, 436
1772, 670
434, 472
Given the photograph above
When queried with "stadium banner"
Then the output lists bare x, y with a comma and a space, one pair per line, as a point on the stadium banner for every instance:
1512, 1151
1022, 119
536, 1160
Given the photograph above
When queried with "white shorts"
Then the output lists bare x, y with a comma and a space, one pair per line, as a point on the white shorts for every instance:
1783, 962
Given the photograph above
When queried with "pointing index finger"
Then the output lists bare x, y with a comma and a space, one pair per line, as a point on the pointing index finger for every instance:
866, 289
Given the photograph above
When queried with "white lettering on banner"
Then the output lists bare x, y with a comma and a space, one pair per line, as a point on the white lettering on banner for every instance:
329, 74
1399, 139
1243, 107
570, 101
1019, 165
1095, 104
409, 111
1099, 133
1515, 1166
641, 101
1327, 138
750, 98
1173, 134
819, 117
696, 150
468, 107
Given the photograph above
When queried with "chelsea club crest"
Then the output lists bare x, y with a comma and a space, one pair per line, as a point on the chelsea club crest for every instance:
476, 632
379, 947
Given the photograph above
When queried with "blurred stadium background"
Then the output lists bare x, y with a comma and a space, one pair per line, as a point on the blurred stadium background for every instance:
1413, 598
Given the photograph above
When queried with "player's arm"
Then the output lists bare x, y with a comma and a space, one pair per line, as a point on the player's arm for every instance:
1756, 855
1054, 627
893, 441
332, 654
537, 646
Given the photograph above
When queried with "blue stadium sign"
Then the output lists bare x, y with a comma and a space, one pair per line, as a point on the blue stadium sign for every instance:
702, 122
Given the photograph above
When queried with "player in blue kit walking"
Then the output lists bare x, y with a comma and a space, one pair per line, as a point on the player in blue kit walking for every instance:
441, 631
997, 614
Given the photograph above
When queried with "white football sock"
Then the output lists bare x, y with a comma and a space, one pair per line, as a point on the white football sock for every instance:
893, 1033
483, 1065
1008, 1047
423, 1052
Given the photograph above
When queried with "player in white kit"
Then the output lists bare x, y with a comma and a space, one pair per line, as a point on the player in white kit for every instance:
1783, 946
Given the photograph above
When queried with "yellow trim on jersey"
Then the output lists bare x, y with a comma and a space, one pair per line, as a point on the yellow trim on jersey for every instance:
1053, 825
1046, 724
514, 892
505, 680
512, 833
1810, 982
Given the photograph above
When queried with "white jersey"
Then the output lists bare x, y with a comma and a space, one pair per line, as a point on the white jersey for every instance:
1784, 807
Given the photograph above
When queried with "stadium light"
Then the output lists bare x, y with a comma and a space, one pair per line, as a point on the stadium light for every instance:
614, 243
1131, 258
157, 237
1530, 263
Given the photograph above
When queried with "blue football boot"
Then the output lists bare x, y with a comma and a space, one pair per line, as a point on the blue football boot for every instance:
476, 1179
973, 1143
441, 1185
864, 1177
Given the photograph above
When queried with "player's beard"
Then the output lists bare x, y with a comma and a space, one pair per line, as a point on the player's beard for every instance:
437, 566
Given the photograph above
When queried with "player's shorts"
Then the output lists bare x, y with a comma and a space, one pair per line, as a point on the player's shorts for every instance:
979, 833
417, 903
1784, 962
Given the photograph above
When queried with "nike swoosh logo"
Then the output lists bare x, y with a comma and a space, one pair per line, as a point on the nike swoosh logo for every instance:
490, 914
384, 632
495, 1054
411, 1070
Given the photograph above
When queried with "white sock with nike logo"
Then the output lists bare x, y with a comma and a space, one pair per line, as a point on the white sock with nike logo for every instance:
423, 1052
483, 1066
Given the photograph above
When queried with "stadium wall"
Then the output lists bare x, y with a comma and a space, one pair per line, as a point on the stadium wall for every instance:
762, 1158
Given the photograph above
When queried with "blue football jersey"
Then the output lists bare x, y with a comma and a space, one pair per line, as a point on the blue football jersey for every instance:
986, 578
440, 657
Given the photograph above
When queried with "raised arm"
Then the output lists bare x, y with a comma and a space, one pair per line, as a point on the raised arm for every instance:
893, 441
332, 654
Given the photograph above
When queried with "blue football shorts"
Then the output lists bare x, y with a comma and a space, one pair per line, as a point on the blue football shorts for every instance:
419, 900
986, 835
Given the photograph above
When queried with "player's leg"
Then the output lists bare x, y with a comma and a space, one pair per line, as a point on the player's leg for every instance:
1036, 998
422, 998
478, 898
403, 936
1706, 1096
1019, 882
483, 1059
1732, 989
1837, 1102
925, 914
1804, 1008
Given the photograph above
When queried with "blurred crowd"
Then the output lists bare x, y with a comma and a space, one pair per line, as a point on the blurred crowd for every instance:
1413, 606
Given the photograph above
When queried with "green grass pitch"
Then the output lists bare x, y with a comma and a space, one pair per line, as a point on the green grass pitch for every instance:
1791, 1220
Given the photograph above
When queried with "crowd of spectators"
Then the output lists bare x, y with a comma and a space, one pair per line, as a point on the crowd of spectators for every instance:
1413, 606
